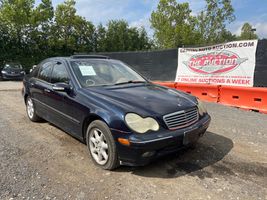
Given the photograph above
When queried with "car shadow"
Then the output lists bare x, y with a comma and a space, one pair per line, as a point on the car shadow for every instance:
210, 149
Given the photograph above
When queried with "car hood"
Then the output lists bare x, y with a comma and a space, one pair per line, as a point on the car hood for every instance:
144, 99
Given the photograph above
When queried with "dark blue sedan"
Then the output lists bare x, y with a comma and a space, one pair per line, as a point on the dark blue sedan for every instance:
122, 117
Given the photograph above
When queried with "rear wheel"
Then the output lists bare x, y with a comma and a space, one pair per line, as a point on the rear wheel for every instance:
30, 108
101, 145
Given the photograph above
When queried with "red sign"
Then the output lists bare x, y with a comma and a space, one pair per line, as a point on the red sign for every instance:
215, 62
231, 63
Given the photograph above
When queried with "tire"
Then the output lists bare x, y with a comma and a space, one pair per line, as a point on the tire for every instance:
30, 110
101, 145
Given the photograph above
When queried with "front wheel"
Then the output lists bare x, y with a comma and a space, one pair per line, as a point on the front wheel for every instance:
101, 145
30, 108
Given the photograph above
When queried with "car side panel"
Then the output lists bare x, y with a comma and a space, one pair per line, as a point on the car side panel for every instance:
39, 93
65, 112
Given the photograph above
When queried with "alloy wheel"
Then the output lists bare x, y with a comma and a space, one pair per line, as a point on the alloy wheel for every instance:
30, 108
98, 146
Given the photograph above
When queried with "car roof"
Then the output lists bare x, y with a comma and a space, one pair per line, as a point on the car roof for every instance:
81, 57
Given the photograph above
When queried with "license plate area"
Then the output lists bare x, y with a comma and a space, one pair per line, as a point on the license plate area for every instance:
190, 137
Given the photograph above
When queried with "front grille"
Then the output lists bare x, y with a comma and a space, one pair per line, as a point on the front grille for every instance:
181, 119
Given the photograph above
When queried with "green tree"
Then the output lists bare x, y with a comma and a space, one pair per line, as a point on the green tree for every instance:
173, 24
16, 17
119, 36
72, 33
40, 33
212, 21
100, 38
247, 33
4, 42
137, 39
144, 42
30, 32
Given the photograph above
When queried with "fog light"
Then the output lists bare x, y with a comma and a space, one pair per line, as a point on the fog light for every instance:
148, 154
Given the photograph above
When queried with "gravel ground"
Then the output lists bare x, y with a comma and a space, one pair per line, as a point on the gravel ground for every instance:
10, 85
39, 161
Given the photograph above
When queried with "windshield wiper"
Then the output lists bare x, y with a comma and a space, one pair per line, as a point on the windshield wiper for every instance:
127, 82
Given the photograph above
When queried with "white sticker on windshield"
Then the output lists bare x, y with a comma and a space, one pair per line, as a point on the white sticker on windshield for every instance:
87, 70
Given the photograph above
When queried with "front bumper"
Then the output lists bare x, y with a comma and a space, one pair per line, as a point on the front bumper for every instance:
12, 76
142, 151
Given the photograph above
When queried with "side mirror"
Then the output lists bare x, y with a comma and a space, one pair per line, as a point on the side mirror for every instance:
62, 87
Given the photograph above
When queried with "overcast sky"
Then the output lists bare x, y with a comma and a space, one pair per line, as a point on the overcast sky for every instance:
137, 12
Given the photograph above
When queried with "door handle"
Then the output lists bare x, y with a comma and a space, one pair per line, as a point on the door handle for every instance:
47, 90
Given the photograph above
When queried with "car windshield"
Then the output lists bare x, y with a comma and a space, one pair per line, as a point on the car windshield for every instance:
103, 72
13, 66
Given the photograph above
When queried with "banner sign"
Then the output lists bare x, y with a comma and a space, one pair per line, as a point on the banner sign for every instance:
230, 63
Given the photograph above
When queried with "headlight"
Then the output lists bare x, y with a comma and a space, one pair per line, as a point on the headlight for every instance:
201, 108
22, 72
139, 124
3, 72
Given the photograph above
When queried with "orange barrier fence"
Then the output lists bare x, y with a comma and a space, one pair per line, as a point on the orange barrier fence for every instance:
167, 84
242, 97
204, 92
